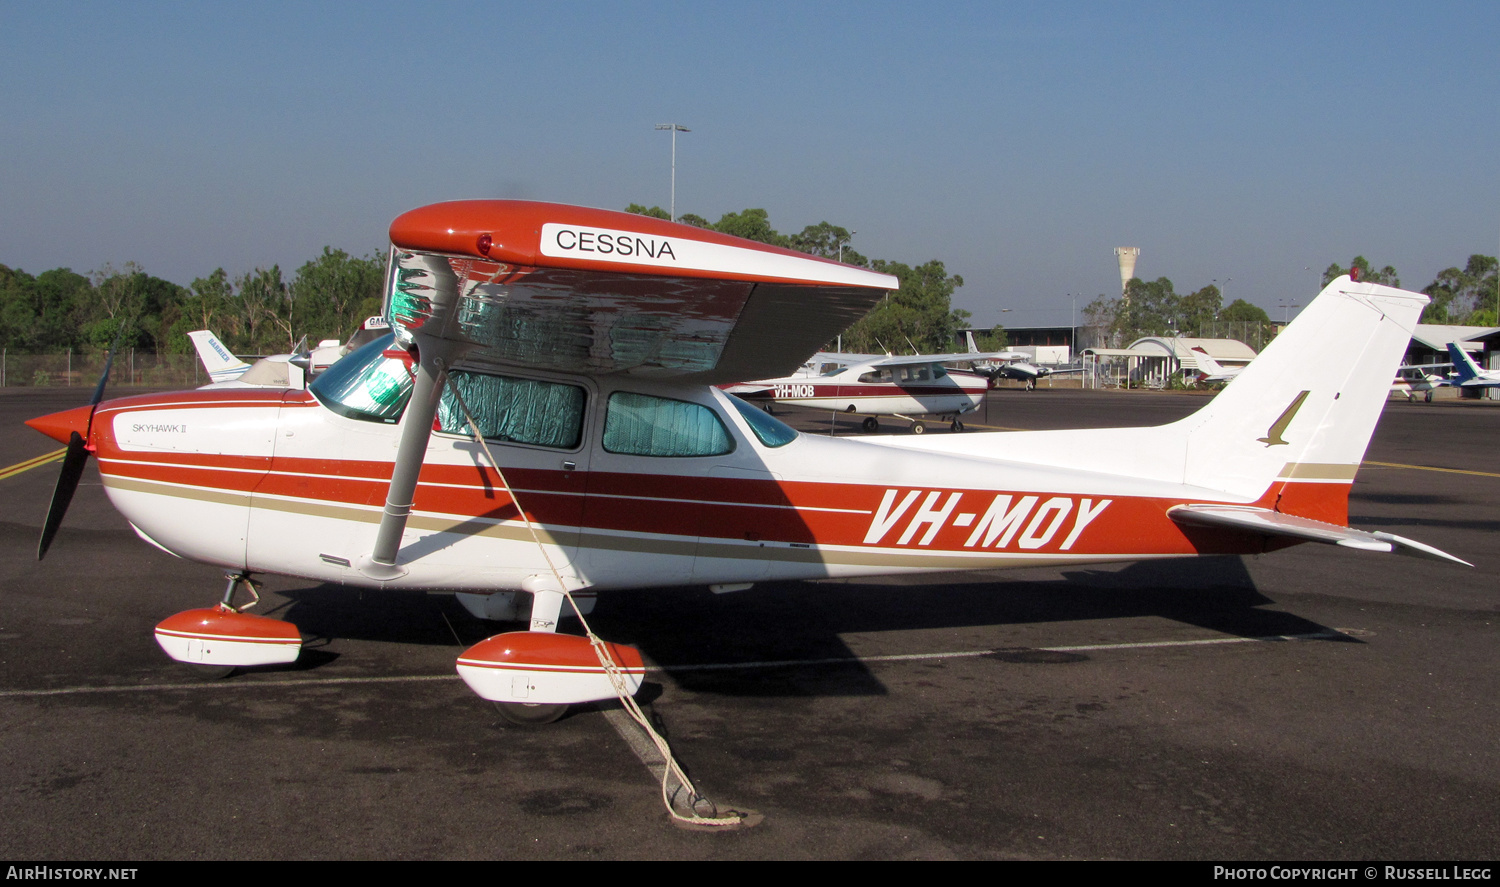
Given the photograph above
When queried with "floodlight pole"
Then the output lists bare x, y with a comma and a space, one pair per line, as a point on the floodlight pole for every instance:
675, 128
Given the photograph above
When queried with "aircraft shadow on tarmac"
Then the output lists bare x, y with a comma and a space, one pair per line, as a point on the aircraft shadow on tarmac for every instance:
800, 624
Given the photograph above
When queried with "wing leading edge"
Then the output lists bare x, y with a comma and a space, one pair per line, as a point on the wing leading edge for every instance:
587, 290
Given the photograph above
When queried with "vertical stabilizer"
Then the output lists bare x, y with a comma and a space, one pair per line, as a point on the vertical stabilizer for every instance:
1463, 364
1302, 413
221, 365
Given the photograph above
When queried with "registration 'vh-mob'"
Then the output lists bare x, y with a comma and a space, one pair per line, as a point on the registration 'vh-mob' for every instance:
873, 385
543, 420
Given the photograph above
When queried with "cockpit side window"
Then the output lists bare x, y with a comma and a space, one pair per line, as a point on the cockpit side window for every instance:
366, 384
643, 425
515, 410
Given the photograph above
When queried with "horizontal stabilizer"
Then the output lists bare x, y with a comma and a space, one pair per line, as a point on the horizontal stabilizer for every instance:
1273, 523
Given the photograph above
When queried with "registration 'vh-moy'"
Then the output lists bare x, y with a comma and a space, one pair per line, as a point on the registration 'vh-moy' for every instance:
543, 420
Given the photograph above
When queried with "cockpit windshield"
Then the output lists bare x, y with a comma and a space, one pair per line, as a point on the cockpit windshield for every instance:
366, 384
771, 431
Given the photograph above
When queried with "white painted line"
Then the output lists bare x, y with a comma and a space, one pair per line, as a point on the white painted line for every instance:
718, 666
225, 685
961, 654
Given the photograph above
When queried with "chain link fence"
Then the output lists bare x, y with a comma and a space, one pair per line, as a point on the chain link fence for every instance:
75, 370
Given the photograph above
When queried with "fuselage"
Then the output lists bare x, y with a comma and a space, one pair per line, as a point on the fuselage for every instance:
626, 483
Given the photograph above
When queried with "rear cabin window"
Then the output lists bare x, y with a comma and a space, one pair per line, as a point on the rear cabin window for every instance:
514, 410
642, 425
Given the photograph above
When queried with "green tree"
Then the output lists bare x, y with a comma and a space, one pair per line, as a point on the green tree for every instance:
1200, 309
917, 318
1463, 295
209, 306
751, 224
1386, 275
264, 312
334, 292
20, 309
994, 340
130, 298
1147, 309
654, 212
1241, 311
829, 241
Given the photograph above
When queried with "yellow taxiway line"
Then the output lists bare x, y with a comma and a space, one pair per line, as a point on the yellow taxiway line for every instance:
1432, 468
32, 463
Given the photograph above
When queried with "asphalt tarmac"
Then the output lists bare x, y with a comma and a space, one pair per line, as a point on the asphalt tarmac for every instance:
1312, 704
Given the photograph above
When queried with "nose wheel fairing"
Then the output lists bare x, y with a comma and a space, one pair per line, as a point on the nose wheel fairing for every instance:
223, 636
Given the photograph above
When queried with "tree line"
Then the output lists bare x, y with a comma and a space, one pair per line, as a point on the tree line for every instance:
259, 312
262, 312
1465, 296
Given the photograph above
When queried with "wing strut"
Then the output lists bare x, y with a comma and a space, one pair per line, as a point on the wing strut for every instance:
436, 348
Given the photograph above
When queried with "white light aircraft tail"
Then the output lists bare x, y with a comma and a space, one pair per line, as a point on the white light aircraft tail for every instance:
1212, 370
221, 365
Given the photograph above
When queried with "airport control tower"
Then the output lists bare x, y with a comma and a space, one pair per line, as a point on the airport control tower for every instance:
1127, 256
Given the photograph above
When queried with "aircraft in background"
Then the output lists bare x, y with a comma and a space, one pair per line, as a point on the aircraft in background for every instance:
227, 371
1467, 374
1419, 379
1016, 365
875, 385
220, 364
1211, 370
278, 370
542, 421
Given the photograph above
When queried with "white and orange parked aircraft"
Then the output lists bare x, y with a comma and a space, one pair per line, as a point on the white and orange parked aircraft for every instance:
584, 346
278, 370
874, 385
1210, 370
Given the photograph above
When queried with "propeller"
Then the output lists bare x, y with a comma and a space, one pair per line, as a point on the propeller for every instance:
75, 459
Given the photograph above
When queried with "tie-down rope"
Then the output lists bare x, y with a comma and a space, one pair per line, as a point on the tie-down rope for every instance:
606, 661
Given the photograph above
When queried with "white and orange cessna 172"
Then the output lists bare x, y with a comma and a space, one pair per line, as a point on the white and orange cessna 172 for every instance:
584, 346
877, 385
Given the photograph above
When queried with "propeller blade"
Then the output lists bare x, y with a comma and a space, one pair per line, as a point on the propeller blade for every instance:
76, 458
67, 481
109, 363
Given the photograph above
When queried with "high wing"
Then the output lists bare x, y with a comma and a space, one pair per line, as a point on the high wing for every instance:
914, 359
574, 289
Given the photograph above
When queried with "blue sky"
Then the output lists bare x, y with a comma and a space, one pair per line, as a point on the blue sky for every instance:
1252, 143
